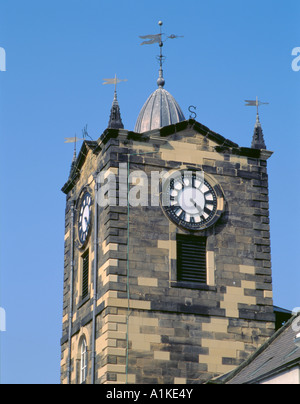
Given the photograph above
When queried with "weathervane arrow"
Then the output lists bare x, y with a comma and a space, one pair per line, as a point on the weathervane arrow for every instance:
151, 39
255, 103
114, 81
76, 139
157, 38
175, 36
72, 139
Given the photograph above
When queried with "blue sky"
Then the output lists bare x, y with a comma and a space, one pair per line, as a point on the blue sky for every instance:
57, 53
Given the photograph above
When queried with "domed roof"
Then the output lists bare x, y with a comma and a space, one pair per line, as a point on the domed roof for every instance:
160, 109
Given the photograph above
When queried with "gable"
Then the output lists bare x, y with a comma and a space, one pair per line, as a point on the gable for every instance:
81, 158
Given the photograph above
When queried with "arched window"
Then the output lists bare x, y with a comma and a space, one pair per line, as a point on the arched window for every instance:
83, 361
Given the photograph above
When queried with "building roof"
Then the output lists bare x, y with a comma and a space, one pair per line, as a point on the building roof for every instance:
278, 354
160, 109
223, 145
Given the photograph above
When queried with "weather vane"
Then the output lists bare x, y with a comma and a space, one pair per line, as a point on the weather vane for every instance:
158, 38
75, 139
114, 81
255, 103
193, 113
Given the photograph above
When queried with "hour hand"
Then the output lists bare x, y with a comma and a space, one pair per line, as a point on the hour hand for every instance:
196, 206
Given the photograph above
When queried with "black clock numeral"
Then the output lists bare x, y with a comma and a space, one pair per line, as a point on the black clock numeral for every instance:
194, 181
207, 211
182, 215
177, 211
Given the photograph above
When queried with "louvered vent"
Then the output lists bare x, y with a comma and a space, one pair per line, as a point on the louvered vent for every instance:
191, 259
85, 274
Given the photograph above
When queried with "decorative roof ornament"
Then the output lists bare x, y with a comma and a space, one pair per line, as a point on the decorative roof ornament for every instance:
160, 109
74, 140
158, 38
115, 120
258, 137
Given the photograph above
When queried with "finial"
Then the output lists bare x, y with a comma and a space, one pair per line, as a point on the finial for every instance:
115, 120
73, 140
160, 80
258, 138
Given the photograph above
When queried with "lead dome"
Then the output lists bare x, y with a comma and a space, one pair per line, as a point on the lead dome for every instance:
160, 109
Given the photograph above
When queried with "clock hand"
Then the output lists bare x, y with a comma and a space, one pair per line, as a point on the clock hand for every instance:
193, 202
196, 206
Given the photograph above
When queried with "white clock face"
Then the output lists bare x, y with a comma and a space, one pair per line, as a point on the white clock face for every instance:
84, 217
191, 201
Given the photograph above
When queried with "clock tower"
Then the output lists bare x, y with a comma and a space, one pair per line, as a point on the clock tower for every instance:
167, 271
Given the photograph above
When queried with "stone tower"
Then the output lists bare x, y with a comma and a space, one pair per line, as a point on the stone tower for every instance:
167, 272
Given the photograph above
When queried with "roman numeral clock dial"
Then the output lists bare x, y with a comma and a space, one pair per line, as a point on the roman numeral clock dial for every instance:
84, 220
191, 201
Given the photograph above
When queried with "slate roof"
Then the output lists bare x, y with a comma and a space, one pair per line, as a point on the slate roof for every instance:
275, 356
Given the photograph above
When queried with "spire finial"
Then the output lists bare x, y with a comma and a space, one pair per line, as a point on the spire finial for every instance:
74, 140
115, 120
258, 137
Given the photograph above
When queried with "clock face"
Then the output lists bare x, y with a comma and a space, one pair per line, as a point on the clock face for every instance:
84, 220
190, 200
